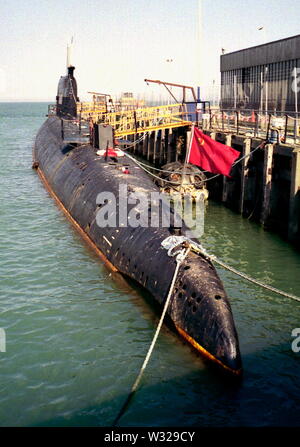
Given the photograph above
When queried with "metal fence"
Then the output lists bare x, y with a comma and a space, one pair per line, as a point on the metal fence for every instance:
283, 127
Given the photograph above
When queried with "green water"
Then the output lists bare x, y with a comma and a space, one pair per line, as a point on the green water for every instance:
76, 335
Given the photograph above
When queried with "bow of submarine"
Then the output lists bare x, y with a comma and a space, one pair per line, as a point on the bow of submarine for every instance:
202, 314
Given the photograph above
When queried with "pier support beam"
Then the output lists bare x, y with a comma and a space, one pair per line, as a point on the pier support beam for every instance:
155, 146
145, 145
169, 147
267, 189
161, 147
267, 183
135, 139
135, 148
187, 142
228, 140
244, 174
141, 144
294, 206
149, 146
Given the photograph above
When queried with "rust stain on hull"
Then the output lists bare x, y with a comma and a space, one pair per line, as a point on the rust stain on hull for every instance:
206, 354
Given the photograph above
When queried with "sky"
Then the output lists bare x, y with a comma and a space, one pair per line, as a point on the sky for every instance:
119, 43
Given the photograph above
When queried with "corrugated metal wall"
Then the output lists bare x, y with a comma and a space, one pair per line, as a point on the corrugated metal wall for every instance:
267, 86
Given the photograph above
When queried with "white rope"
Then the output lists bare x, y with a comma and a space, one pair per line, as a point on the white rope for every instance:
137, 141
150, 173
255, 281
172, 241
180, 257
144, 165
171, 172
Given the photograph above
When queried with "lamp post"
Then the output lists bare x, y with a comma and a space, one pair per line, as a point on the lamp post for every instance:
296, 71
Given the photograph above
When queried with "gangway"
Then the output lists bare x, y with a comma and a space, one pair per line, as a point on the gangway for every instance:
145, 119
142, 119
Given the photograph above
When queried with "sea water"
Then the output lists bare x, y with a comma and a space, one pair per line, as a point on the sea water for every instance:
76, 334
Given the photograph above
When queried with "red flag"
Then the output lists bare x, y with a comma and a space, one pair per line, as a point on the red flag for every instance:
211, 155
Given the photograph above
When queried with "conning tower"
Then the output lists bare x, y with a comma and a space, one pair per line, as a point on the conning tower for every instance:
67, 92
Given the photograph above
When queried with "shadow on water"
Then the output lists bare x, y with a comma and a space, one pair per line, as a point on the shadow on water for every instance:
205, 399
267, 395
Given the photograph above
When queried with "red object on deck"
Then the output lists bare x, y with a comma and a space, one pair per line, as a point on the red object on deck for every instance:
110, 152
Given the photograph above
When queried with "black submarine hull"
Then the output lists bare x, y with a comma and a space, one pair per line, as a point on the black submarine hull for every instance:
199, 306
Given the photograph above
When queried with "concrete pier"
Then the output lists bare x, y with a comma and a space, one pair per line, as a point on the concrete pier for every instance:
294, 203
263, 187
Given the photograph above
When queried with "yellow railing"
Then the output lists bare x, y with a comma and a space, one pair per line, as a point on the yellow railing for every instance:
93, 110
146, 119
129, 122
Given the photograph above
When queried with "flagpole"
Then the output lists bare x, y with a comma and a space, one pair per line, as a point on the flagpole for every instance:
187, 155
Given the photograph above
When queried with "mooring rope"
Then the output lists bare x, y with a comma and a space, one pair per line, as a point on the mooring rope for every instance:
148, 172
173, 241
144, 166
255, 281
180, 257
134, 143
169, 244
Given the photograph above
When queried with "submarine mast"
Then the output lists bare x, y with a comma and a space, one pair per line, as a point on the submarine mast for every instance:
66, 99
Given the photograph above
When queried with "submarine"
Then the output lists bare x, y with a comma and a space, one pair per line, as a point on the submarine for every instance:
85, 174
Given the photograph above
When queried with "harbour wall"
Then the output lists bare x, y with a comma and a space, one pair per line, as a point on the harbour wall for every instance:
263, 187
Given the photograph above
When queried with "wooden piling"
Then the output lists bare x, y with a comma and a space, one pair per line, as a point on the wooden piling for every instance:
244, 172
135, 139
152, 145
149, 138
267, 183
140, 144
145, 145
169, 147
161, 147
294, 202
155, 146
187, 141
228, 140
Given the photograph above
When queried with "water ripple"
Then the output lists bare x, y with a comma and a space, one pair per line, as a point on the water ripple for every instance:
76, 337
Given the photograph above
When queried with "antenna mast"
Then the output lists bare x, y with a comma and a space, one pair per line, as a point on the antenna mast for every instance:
69, 53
